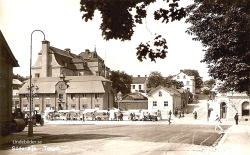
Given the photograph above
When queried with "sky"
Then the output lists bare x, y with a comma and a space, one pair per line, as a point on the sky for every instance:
61, 21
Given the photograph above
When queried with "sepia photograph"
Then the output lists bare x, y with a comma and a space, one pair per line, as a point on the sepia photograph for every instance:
125, 77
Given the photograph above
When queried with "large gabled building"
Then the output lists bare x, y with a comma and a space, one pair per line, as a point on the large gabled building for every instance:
66, 81
51, 62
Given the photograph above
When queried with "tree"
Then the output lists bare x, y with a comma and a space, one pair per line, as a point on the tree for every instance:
118, 21
19, 77
155, 79
169, 82
197, 77
121, 81
222, 26
209, 83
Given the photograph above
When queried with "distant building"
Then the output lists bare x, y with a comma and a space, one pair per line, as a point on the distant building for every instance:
165, 99
15, 97
188, 81
7, 62
139, 84
133, 101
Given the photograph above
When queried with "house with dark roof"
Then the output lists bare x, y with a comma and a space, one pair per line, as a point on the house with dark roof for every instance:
65, 81
139, 84
51, 62
7, 62
166, 99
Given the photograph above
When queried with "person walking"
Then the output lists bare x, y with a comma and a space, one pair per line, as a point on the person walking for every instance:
236, 118
217, 124
170, 113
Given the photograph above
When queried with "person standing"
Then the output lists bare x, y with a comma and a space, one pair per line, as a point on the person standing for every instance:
236, 118
195, 115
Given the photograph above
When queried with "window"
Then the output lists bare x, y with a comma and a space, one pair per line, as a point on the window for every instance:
37, 75
96, 95
60, 96
84, 106
187, 82
72, 96
184, 76
25, 107
165, 103
47, 96
139, 87
160, 94
133, 86
47, 107
178, 77
37, 107
73, 107
154, 103
84, 95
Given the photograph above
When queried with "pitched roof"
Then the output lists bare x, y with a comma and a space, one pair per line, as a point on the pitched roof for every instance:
138, 80
77, 84
170, 90
11, 57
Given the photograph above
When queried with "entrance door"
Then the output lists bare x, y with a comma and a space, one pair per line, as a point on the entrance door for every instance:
223, 110
245, 109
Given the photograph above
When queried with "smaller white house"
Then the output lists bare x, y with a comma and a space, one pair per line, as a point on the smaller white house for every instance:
164, 99
188, 81
139, 84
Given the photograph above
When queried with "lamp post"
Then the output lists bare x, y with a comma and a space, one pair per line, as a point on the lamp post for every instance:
30, 129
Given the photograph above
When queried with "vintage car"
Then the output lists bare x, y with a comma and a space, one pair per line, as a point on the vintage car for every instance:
36, 118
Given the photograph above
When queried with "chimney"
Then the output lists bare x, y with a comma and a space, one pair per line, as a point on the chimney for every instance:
87, 50
67, 50
138, 75
45, 58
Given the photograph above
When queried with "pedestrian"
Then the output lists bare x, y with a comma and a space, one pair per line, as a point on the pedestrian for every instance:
179, 114
170, 113
217, 123
182, 115
186, 111
169, 121
236, 118
195, 115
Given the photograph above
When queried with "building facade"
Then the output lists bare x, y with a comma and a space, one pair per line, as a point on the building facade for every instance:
68, 93
188, 81
226, 105
139, 84
166, 99
7, 62
133, 101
